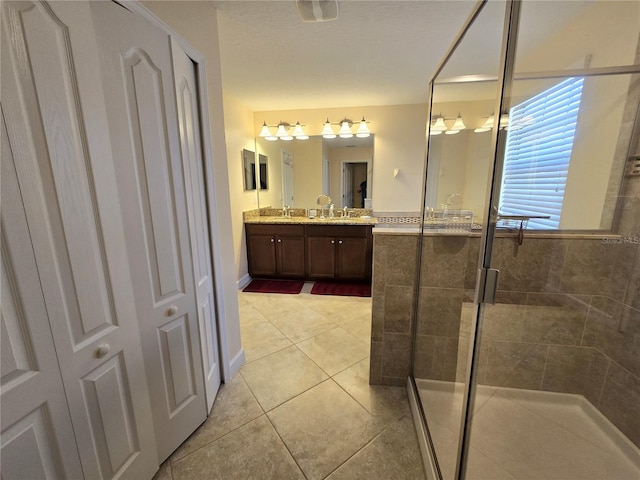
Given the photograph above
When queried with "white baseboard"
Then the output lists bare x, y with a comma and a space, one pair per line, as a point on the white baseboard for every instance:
235, 364
243, 281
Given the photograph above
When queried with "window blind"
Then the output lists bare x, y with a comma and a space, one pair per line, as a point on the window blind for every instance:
538, 152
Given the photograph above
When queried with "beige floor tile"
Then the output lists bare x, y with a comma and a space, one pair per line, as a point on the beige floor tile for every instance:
261, 339
252, 452
164, 473
281, 376
249, 315
394, 454
323, 427
302, 324
335, 350
234, 406
360, 326
386, 403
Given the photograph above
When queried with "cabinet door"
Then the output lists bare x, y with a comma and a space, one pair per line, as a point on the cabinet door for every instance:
262, 255
353, 260
53, 103
137, 73
321, 257
290, 255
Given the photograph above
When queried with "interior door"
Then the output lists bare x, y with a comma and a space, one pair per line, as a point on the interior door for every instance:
138, 79
347, 185
37, 435
192, 161
55, 116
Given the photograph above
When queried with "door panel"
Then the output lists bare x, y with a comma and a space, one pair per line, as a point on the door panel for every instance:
321, 257
193, 167
291, 256
352, 258
65, 175
135, 64
37, 434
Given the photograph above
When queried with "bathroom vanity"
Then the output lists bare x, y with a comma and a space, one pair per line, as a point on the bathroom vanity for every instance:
310, 249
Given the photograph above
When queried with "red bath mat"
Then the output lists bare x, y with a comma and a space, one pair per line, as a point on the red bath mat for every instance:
260, 285
341, 289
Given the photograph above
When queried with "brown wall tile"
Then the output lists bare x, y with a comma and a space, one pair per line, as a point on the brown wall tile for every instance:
619, 402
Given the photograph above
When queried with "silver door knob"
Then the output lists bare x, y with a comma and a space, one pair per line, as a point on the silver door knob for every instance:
171, 311
333, 241
279, 240
340, 242
102, 350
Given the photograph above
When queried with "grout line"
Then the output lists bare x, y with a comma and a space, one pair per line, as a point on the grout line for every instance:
287, 447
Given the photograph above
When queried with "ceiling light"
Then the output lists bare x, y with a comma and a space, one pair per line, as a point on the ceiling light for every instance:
327, 131
345, 129
282, 132
298, 133
317, 10
438, 126
457, 126
363, 131
266, 133
486, 126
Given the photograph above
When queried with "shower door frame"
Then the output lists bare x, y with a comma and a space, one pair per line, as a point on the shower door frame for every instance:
487, 278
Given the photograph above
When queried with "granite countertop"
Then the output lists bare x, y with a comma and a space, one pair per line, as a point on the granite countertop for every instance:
313, 221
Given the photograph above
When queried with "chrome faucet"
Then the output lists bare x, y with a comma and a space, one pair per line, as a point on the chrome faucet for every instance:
286, 211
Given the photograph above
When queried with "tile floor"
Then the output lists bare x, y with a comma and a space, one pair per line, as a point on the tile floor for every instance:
524, 434
301, 406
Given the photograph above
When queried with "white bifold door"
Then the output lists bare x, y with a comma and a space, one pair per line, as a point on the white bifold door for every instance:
61, 164
109, 340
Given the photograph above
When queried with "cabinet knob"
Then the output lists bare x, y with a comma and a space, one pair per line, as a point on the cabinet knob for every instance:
272, 240
333, 241
102, 350
279, 240
340, 242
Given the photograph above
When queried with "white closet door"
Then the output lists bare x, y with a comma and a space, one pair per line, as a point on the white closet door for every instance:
37, 436
138, 80
191, 147
55, 116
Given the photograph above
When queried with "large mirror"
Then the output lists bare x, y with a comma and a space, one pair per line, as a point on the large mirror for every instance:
253, 176
300, 170
583, 113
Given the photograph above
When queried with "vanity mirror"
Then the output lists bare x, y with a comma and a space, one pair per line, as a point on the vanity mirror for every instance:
299, 171
252, 176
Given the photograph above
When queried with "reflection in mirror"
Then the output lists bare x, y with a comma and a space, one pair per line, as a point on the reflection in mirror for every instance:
300, 170
251, 176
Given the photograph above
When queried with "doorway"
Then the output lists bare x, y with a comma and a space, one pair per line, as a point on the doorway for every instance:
354, 184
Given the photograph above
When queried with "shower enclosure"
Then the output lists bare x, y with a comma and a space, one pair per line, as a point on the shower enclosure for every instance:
526, 357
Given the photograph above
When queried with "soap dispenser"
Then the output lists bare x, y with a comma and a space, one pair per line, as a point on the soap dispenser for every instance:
331, 211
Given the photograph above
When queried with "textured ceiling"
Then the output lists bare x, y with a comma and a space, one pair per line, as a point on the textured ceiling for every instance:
376, 53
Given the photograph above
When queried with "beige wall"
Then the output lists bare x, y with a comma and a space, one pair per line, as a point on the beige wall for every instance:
197, 23
239, 130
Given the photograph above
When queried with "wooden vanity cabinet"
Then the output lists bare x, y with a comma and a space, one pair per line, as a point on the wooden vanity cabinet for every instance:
339, 252
276, 251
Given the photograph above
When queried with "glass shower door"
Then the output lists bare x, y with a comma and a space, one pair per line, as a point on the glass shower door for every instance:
555, 390
460, 156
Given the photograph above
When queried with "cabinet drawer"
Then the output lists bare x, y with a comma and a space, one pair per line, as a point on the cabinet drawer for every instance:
273, 229
338, 230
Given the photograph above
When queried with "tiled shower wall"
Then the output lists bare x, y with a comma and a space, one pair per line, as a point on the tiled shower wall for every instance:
567, 317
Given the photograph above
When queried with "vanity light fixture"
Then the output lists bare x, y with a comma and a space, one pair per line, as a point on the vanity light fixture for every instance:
282, 132
345, 129
504, 123
438, 126
458, 125
327, 130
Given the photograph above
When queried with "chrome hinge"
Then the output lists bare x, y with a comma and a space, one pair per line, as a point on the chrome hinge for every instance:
487, 285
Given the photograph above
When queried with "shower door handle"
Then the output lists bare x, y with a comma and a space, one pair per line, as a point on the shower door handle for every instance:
487, 285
